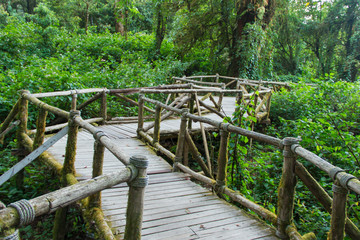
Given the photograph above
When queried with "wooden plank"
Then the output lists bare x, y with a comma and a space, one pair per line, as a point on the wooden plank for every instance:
178, 208
183, 232
168, 214
246, 234
174, 207
179, 221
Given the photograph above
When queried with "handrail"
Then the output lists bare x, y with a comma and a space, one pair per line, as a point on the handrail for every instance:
57, 111
68, 93
207, 90
221, 125
136, 165
100, 136
242, 79
291, 149
199, 82
346, 180
51, 202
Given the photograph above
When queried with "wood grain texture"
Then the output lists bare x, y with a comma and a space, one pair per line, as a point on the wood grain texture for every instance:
174, 206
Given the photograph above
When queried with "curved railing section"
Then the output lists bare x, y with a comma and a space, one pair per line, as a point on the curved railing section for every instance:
184, 100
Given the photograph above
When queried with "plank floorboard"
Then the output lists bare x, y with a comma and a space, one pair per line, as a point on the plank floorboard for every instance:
174, 206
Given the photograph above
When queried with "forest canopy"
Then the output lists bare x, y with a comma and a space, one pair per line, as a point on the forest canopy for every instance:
268, 39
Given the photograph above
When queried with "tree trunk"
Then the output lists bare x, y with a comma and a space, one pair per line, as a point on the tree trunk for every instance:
119, 20
245, 15
350, 70
87, 17
160, 28
30, 6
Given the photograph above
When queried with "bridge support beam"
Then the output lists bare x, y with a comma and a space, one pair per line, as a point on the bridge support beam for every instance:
286, 189
338, 215
222, 159
140, 115
59, 229
181, 140
22, 128
156, 137
135, 207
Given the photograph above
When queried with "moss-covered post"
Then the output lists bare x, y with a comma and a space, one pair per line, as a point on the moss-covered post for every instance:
181, 139
268, 107
22, 128
186, 154
157, 124
338, 215
222, 160
286, 190
135, 207
103, 107
40, 128
59, 230
98, 161
140, 115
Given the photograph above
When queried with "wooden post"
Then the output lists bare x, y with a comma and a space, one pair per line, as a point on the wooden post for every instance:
203, 134
73, 101
59, 230
22, 128
268, 106
134, 212
181, 140
338, 214
156, 137
222, 159
191, 109
40, 128
140, 115
98, 161
217, 78
323, 197
103, 110
286, 189
186, 154
221, 96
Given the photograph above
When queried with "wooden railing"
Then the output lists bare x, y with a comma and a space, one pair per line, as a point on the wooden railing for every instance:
292, 168
23, 212
183, 94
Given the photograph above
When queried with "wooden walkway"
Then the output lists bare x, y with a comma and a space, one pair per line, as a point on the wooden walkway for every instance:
175, 207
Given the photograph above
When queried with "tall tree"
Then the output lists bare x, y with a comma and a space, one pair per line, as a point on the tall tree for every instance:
247, 12
163, 10
224, 24
345, 14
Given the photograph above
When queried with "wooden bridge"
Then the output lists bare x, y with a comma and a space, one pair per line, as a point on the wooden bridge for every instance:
122, 157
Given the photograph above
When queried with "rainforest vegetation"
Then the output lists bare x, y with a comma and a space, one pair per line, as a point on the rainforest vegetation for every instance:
53, 45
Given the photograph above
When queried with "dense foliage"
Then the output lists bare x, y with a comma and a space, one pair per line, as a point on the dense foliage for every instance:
326, 117
51, 45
